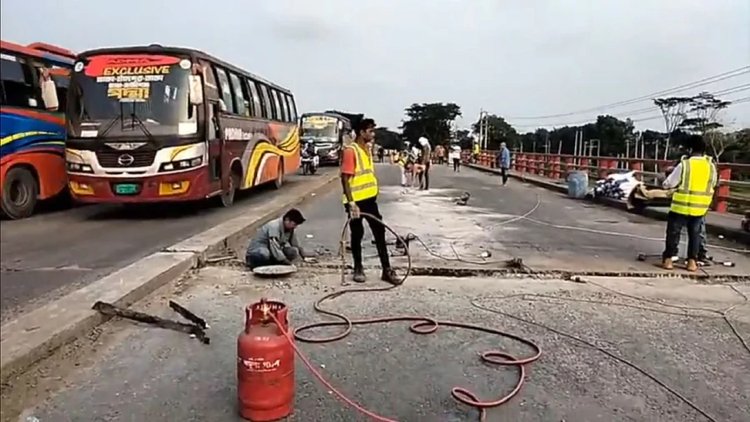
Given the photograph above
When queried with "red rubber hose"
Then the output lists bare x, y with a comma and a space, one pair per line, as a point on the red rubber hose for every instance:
420, 325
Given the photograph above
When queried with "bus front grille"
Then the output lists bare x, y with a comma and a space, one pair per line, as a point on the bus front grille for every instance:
120, 159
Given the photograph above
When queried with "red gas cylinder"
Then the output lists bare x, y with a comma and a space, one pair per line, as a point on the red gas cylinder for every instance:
265, 364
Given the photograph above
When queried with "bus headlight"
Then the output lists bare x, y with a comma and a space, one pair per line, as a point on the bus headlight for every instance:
181, 164
79, 168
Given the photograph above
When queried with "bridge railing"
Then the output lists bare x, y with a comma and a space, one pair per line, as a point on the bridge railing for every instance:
733, 193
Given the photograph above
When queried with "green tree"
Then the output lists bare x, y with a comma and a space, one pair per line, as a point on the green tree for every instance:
613, 133
738, 150
702, 118
541, 136
526, 142
388, 139
463, 137
431, 120
674, 111
498, 131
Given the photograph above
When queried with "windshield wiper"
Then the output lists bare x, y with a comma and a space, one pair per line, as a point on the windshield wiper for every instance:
135, 119
111, 123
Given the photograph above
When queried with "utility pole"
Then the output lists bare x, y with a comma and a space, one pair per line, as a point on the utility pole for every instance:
594, 144
627, 147
483, 129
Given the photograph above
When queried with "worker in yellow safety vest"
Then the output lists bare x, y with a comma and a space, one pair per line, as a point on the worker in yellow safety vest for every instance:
360, 186
694, 181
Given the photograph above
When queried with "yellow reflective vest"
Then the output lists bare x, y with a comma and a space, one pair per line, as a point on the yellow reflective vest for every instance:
364, 184
695, 193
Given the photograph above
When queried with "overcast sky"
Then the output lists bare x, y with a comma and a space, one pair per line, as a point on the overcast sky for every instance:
513, 58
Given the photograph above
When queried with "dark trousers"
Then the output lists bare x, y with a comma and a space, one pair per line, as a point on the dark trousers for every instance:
369, 206
456, 164
675, 223
424, 177
504, 174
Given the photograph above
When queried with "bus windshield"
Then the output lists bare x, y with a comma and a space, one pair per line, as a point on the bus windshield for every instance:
320, 129
131, 96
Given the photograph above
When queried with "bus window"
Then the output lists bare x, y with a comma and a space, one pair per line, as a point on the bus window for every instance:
277, 105
270, 112
283, 115
285, 104
292, 108
255, 98
17, 83
61, 83
212, 89
225, 89
243, 106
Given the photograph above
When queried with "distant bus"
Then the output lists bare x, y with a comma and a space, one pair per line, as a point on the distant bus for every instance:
33, 86
161, 124
327, 132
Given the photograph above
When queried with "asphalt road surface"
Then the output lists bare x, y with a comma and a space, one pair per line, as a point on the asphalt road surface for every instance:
50, 254
557, 233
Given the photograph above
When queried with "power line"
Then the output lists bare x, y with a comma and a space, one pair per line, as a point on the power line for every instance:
702, 82
650, 109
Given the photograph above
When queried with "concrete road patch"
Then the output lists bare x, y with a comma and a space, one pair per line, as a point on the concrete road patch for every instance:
35, 334
146, 373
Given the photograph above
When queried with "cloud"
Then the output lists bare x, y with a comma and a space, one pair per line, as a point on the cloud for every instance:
510, 57
304, 29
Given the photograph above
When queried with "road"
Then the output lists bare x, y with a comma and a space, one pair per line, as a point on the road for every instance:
141, 373
48, 255
131, 372
557, 233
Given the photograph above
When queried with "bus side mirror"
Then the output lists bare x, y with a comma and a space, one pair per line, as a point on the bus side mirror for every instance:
49, 94
196, 89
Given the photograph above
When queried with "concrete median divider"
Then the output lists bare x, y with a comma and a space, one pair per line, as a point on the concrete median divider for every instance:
36, 334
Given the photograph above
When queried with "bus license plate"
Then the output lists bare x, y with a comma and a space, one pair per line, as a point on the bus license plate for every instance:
126, 189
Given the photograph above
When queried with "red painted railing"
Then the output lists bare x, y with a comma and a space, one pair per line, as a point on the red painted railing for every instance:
651, 172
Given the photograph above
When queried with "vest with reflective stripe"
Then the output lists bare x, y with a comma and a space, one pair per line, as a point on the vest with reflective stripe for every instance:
364, 184
696, 191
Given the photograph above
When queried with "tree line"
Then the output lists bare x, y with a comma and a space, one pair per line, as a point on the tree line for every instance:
606, 135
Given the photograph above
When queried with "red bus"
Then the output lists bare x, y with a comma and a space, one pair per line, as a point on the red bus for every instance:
160, 124
33, 86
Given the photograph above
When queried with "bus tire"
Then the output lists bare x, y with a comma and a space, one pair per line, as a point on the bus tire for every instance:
279, 182
227, 198
20, 193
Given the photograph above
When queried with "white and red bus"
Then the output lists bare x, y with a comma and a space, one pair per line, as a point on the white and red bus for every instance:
160, 124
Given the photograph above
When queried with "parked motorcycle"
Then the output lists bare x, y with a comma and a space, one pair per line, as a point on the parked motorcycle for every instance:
310, 159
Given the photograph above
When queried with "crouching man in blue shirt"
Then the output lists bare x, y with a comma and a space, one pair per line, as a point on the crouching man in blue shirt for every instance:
275, 243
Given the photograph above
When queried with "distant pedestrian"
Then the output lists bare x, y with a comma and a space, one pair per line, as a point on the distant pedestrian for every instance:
426, 161
455, 157
503, 161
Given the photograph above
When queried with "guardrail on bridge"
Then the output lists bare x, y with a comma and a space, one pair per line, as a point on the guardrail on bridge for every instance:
649, 171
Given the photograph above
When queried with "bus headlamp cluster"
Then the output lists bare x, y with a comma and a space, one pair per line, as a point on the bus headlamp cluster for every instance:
79, 168
181, 164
